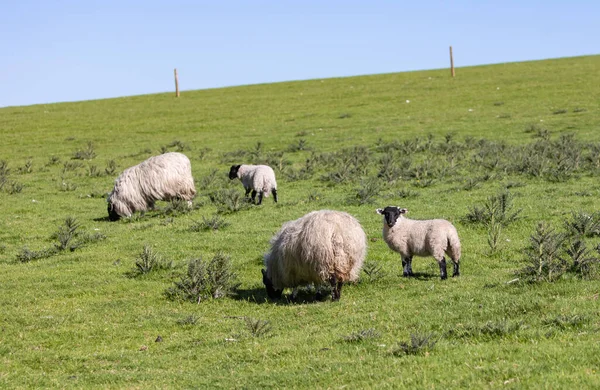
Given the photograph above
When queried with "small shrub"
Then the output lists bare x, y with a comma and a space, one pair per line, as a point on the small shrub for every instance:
582, 261
229, 201
71, 166
256, 327
418, 345
203, 152
213, 223
14, 187
179, 146
53, 160
367, 193
66, 234
498, 207
583, 224
544, 261
406, 193
93, 171
27, 168
176, 207
579, 109
27, 255
205, 280
300, 145
111, 167
373, 270
344, 115
67, 186
148, 261
85, 154
560, 111
361, 335
188, 321
566, 321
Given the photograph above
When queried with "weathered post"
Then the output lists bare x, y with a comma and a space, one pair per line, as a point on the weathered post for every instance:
451, 62
176, 84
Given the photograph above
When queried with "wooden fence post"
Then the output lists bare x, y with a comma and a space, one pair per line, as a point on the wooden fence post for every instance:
176, 84
451, 62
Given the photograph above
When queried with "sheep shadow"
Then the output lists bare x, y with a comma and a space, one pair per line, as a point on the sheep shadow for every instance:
259, 296
102, 219
421, 276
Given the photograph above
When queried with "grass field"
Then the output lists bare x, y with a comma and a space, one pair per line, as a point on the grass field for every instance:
516, 139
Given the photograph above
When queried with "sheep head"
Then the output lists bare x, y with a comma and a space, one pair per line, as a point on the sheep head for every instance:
112, 214
233, 172
271, 291
391, 214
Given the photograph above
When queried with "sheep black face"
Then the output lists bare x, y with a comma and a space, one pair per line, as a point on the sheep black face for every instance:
271, 292
112, 214
391, 214
234, 171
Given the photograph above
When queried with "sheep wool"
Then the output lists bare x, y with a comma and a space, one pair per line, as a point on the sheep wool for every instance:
260, 179
164, 177
433, 237
321, 247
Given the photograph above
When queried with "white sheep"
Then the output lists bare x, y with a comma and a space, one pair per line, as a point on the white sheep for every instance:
432, 237
321, 247
256, 178
164, 177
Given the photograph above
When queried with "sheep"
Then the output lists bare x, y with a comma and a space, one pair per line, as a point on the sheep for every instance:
432, 237
323, 246
164, 177
256, 178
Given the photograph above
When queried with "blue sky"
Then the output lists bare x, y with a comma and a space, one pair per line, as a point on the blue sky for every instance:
54, 51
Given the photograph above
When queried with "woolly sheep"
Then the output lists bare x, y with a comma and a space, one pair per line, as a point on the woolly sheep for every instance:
256, 178
321, 247
164, 177
432, 237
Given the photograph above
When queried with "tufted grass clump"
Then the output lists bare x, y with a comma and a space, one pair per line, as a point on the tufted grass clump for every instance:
257, 327
367, 192
373, 271
563, 321
148, 261
213, 223
26, 255
229, 200
361, 336
419, 344
205, 280
85, 154
582, 224
498, 208
489, 330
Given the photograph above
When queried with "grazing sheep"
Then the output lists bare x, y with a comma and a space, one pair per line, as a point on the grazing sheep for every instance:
256, 178
321, 247
432, 237
164, 177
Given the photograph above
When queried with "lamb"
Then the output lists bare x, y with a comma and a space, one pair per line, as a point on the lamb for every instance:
432, 237
323, 246
256, 178
164, 177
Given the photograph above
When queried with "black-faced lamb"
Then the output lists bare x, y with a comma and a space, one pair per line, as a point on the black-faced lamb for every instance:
164, 177
256, 178
321, 247
433, 237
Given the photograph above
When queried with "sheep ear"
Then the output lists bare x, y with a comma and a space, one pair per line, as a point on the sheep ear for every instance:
403, 211
379, 211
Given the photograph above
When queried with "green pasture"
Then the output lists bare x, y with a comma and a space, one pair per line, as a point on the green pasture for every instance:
82, 317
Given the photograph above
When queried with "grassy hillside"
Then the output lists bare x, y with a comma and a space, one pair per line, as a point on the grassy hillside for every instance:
524, 133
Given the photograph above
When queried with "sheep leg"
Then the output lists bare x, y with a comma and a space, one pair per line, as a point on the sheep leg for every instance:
407, 266
456, 270
253, 196
443, 273
247, 192
260, 198
274, 192
336, 288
